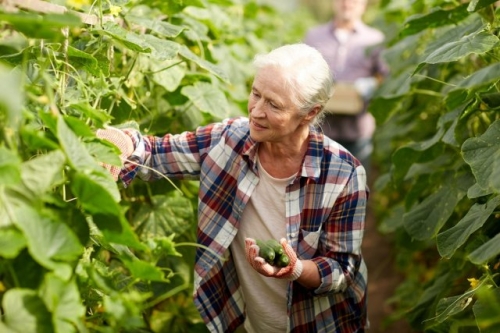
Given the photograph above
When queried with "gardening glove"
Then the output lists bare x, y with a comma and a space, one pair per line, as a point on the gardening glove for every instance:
290, 272
366, 86
120, 140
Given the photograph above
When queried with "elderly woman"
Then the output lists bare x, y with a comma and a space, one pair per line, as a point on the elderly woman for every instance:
273, 175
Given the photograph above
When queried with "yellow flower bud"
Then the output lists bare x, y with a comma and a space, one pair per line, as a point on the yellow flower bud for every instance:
473, 282
115, 10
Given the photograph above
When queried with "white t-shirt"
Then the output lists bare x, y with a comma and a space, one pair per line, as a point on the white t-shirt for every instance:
263, 218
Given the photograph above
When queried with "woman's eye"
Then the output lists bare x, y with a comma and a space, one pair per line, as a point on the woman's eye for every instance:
273, 105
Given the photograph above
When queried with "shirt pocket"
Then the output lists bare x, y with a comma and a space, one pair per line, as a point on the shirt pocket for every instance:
308, 243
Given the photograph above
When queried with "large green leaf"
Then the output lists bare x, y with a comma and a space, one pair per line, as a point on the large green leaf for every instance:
51, 243
483, 156
430, 295
398, 86
100, 117
486, 251
86, 167
80, 59
394, 219
196, 31
49, 165
475, 5
24, 311
143, 270
236, 67
168, 74
10, 165
486, 310
405, 156
450, 34
164, 216
116, 229
425, 219
78, 157
162, 49
11, 242
10, 199
62, 299
450, 240
450, 306
125, 309
214, 69
11, 99
475, 43
465, 89
107, 213
476, 191
166, 246
93, 196
105, 152
449, 122
436, 18
214, 17
402, 55
48, 26
157, 26
35, 138
6, 329
207, 98
128, 39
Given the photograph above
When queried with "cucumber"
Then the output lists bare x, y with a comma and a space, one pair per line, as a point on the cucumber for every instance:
273, 253
278, 249
282, 260
266, 251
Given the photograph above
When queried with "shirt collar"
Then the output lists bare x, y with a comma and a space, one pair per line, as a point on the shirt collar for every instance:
250, 152
311, 166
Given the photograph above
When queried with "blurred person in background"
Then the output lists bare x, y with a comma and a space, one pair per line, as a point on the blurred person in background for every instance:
271, 175
353, 52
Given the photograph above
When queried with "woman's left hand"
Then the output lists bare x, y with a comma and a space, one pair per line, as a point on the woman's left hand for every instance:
291, 272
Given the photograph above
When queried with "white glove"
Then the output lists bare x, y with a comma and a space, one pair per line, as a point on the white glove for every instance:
120, 140
366, 86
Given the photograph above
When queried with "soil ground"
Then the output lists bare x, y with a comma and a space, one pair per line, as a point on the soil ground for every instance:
383, 279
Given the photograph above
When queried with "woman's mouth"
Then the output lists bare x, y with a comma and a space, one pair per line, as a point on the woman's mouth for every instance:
257, 126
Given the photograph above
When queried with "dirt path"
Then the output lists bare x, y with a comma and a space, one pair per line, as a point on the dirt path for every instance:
382, 279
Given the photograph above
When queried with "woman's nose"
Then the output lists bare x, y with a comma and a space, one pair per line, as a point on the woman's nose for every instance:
257, 109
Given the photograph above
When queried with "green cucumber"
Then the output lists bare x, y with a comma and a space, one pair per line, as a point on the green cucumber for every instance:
266, 251
278, 249
282, 260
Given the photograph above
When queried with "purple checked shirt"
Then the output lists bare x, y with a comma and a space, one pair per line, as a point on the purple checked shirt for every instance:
325, 218
356, 57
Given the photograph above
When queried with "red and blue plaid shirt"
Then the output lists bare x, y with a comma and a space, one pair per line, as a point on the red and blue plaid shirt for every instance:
325, 214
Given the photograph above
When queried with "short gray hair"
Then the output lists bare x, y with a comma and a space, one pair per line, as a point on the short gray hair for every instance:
306, 73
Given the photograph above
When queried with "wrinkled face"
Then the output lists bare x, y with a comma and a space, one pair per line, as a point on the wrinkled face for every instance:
349, 10
273, 116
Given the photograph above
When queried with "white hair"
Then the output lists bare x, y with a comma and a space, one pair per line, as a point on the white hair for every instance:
306, 74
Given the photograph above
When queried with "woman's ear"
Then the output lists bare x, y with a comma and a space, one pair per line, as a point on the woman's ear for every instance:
313, 113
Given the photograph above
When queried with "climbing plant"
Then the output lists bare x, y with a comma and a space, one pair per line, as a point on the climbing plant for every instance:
438, 152
78, 251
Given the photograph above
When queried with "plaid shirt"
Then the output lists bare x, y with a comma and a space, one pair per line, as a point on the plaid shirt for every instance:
326, 206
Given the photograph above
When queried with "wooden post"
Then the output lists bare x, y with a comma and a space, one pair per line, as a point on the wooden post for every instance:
47, 7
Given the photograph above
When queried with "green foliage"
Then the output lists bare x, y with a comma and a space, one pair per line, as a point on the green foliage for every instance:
437, 147
79, 252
